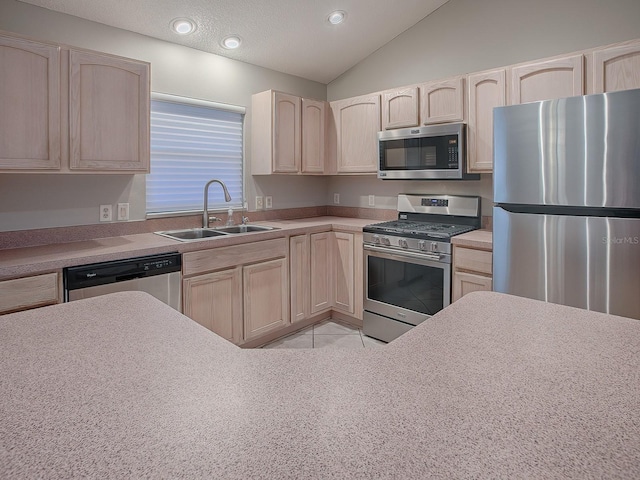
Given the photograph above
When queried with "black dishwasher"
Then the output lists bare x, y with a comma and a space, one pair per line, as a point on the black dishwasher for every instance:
158, 275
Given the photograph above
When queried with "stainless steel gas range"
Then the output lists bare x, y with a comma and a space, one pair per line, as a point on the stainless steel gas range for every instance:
408, 261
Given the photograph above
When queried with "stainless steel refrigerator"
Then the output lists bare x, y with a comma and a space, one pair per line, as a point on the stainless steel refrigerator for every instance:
566, 220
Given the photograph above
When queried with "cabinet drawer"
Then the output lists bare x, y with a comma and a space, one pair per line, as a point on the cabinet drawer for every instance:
29, 292
472, 260
225, 257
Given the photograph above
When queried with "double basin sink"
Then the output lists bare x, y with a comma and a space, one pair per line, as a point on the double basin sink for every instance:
190, 234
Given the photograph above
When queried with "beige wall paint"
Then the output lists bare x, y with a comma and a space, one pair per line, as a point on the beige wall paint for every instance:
37, 201
465, 36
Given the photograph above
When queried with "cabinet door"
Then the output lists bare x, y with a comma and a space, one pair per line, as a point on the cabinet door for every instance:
214, 300
442, 101
29, 105
400, 108
314, 120
464, 283
286, 133
299, 275
266, 297
108, 113
357, 123
616, 68
343, 268
547, 80
320, 272
487, 90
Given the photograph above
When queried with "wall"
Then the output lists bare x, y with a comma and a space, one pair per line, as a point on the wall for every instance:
37, 201
465, 36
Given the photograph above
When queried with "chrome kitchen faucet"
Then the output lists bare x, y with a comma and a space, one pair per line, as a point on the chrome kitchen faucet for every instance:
205, 212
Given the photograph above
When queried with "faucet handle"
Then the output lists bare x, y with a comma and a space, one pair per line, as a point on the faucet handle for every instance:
245, 220
213, 219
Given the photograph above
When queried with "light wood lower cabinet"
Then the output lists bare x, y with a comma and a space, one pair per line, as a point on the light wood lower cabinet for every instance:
240, 292
214, 300
266, 297
29, 292
327, 265
472, 271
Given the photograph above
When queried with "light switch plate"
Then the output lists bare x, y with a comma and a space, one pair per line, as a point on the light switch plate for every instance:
268, 202
336, 198
106, 213
372, 200
123, 211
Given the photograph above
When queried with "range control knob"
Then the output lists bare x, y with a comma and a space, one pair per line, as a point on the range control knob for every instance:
376, 239
422, 245
434, 246
403, 243
386, 241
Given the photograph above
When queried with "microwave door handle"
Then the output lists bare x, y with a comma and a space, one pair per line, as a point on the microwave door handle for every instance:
400, 256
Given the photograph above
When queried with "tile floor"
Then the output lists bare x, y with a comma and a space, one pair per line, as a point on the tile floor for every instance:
327, 334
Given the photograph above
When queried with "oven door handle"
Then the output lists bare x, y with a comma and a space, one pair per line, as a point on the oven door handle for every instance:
401, 255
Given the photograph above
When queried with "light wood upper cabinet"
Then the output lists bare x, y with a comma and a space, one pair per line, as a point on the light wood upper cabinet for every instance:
266, 297
357, 123
214, 300
29, 105
400, 108
548, 79
487, 90
314, 121
442, 101
616, 68
108, 113
287, 134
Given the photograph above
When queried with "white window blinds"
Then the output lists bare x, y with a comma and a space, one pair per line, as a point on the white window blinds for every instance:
192, 142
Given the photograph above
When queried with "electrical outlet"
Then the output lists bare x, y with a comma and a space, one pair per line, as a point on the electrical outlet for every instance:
259, 203
268, 202
106, 213
123, 211
372, 200
336, 198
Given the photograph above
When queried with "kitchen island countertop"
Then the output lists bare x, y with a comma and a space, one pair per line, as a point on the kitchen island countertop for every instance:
493, 386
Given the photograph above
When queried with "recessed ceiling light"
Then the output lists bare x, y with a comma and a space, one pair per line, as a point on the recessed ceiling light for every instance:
183, 26
336, 17
231, 42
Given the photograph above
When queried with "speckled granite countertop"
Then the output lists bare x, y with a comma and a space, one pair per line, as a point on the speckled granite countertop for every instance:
16, 262
493, 386
482, 239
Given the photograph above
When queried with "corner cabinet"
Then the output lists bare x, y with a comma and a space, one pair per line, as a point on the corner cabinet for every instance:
30, 100
616, 68
68, 110
487, 90
109, 102
287, 134
356, 122
548, 79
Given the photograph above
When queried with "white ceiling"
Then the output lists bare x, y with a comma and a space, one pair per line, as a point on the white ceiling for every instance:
290, 36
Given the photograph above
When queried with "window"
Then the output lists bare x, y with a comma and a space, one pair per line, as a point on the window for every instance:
192, 142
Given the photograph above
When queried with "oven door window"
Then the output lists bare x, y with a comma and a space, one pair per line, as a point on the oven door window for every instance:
427, 153
411, 286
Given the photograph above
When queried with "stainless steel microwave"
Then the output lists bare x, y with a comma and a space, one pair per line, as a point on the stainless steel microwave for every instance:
435, 152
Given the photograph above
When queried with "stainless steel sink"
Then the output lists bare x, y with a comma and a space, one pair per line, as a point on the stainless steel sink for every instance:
245, 228
191, 234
